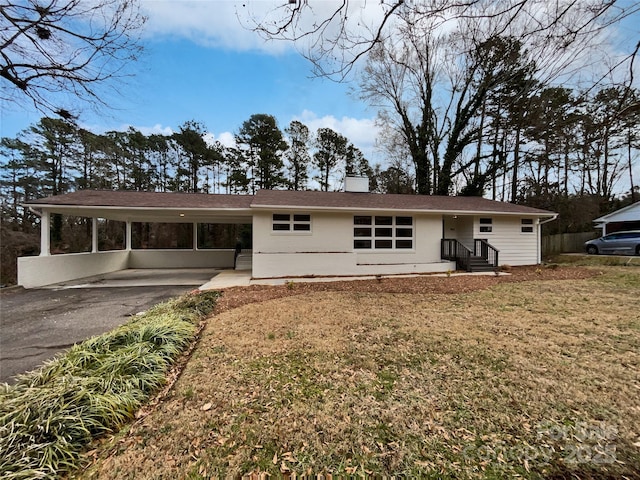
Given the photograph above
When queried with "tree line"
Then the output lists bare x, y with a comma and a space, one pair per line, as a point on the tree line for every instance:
554, 148
56, 156
492, 125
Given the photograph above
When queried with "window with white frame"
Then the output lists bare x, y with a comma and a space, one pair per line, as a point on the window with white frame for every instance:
291, 222
486, 225
526, 225
382, 232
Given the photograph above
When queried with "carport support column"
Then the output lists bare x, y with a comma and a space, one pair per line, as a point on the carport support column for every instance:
128, 236
94, 235
45, 234
195, 236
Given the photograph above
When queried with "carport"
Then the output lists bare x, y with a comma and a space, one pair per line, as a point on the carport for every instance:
132, 207
627, 218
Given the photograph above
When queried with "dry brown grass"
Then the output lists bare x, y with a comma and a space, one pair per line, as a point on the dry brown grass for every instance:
532, 378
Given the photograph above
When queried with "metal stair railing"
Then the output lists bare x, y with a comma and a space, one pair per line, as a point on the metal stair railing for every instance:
452, 249
482, 248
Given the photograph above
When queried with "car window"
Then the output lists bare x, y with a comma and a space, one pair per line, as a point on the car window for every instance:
613, 236
630, 235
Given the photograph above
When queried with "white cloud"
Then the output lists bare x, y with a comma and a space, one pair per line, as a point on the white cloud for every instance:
219, 24
228, 24
362, 132
157, 129
227, 139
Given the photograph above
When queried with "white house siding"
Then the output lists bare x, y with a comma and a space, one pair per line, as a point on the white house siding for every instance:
220, 258
327, 234
516, 248
460, 228
328, 248
46, 270
630, 213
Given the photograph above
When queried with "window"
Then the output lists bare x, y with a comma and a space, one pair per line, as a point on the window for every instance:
526, 225
382, 232
627, 235
384, 220
361, 243
286, 222
486, 225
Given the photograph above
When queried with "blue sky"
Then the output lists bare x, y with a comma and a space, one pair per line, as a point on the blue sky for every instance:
202, 63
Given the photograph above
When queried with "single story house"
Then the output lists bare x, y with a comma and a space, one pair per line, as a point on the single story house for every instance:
627, 218
302, 233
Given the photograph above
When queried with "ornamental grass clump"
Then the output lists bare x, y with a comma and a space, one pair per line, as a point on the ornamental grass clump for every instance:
95, 387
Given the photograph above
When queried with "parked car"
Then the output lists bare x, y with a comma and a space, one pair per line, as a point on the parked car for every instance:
626, 243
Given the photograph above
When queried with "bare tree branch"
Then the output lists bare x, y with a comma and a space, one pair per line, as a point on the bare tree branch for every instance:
334, 39
53, 47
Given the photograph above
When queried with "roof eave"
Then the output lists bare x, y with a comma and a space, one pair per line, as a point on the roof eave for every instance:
605, 218
52, 206
395, 209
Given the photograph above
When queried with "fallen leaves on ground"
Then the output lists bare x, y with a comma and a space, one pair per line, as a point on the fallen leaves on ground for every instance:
532, 374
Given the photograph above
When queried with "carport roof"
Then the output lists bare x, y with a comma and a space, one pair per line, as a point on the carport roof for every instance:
630, 213
127, 198
163, 207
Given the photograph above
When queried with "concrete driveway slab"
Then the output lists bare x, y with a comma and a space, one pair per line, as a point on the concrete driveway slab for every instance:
144, 277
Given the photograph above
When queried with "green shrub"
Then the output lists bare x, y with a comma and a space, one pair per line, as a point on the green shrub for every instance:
95, 387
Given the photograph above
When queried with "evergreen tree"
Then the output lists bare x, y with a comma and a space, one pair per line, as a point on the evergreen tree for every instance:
331, 151
194, 155
263, 146
298, 155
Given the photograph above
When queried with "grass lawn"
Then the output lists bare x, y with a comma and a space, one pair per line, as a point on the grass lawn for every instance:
539, 378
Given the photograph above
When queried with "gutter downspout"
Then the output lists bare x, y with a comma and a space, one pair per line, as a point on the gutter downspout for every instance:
555, 215
35, 212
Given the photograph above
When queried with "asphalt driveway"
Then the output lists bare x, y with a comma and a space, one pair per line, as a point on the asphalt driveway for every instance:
36, 324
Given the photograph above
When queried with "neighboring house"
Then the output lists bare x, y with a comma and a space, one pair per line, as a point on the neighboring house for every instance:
627, 218
303, 233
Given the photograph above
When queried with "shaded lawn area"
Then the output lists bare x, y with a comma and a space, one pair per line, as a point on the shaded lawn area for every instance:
538, 378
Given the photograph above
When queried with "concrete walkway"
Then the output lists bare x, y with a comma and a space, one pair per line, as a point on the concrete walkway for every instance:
209, 279
242, 278
228, 278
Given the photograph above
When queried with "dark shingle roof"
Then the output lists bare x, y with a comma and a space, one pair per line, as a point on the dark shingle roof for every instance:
130, 199
372, 201
285, 199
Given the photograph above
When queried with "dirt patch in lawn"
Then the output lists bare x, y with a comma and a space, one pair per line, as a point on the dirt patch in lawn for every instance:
456, 283
528, 375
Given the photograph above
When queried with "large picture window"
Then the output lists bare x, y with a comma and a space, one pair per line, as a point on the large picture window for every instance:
382, 232
291, 222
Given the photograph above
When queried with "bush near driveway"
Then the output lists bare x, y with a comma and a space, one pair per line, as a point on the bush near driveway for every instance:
52, 413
